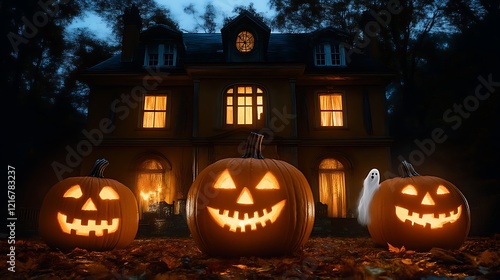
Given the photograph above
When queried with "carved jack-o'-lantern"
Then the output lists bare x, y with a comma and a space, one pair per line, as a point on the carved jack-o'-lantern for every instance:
250, 206
419, 212
90, 212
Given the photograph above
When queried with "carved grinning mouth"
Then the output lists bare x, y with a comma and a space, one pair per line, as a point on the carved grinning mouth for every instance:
85, 230
234, 222
424, 219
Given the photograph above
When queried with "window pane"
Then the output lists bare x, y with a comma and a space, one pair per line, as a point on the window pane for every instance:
161, 103
331, 163
229, 100
241, 115
325, 102
248, 100
148, 119
338, 119
332, 119
260, 100
229, 115
330, 102
248, 117
159, 119
241, 101
335, 53
153, 59
241, 89
230, 91
260, 112
168, 59
149, 103
320, 54
151, 164
326, 119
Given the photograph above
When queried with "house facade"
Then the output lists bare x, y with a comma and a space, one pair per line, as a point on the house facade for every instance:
172, 103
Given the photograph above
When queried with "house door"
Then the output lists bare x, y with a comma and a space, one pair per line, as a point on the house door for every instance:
153, 187
332, 190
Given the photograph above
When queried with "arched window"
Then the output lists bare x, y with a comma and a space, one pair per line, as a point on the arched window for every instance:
332, 191
244, 105
153, 186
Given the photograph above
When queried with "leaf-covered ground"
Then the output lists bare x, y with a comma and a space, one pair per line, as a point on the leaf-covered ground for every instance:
321, 258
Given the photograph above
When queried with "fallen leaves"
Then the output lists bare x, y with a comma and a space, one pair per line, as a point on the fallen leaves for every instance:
321, 258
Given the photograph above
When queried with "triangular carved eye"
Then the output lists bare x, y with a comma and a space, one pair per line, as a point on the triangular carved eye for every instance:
410, 190
74, 192
442, 190
268, 182
108, 193
225, 181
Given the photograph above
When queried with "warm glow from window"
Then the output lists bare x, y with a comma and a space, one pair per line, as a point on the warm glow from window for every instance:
331, 109
332, 189
155, 111
244, 41
244, 105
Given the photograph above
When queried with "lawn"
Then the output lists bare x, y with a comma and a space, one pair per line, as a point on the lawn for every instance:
321, 258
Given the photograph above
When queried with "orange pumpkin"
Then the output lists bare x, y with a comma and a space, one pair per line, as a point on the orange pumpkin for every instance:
89, 212
418, 212
250, 206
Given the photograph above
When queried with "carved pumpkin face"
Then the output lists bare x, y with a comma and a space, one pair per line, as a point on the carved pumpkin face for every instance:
250, 206
419, 212
250, 216
90, 212
435, 219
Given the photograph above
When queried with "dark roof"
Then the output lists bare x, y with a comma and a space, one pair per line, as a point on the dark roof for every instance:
207, 48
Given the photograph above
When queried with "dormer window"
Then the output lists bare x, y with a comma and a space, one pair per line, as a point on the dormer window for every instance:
244, 42
162, 55
329, 54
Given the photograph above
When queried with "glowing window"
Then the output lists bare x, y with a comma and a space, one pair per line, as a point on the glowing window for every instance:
332, 189
154, 111
331, 109
244, 41
244, 105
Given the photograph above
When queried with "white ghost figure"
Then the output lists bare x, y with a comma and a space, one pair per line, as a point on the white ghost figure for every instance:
370, 186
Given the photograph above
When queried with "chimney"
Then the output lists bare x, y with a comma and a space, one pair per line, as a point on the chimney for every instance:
132, 24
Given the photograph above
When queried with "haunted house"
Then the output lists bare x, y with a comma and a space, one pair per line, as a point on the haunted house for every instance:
171, 103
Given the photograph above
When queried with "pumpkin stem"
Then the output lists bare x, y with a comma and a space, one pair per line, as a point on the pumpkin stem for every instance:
98, 168
407, 169
254, 146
